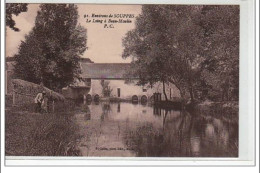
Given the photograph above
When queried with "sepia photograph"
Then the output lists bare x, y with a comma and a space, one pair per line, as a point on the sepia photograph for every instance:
122, 80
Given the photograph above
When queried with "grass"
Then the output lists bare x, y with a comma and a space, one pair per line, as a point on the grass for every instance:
35, 134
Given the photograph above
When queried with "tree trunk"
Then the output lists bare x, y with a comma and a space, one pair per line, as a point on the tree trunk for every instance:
164, 92
191, 94
178, 86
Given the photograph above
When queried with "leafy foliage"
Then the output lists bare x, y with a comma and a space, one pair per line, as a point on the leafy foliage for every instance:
51, 51
14, 9
183, 44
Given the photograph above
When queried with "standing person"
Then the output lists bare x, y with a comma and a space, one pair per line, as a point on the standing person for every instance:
39, 100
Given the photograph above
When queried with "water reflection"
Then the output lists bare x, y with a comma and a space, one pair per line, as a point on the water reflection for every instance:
157, 111
105, 111
118, 107
145, 131
88, 114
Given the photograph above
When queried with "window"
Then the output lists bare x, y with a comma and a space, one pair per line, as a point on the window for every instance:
118, 92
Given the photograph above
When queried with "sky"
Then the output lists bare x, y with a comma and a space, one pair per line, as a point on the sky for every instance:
104, 44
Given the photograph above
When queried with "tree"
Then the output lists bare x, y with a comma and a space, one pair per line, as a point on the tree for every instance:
51, 52
155, 45
221, 26
177, 44
14, 9
106, 90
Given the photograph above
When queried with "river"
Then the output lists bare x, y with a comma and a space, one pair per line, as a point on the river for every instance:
135, 130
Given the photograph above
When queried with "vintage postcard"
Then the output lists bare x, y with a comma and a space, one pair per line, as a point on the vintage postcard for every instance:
122, 81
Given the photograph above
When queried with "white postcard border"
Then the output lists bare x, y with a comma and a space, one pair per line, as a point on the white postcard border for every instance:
247, 119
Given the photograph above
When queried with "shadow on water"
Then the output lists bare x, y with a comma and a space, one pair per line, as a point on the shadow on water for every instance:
153, 132
187, 135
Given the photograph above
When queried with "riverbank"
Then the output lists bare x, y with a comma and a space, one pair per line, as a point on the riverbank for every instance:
115, 100
168, 105
35, 134
227, 111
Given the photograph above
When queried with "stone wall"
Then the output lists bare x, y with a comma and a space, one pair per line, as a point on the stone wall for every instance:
24, 93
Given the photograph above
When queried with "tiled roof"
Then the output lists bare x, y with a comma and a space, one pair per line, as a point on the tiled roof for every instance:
104, 70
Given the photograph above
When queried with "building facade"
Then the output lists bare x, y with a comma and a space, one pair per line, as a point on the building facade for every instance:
120, 89
107, 80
